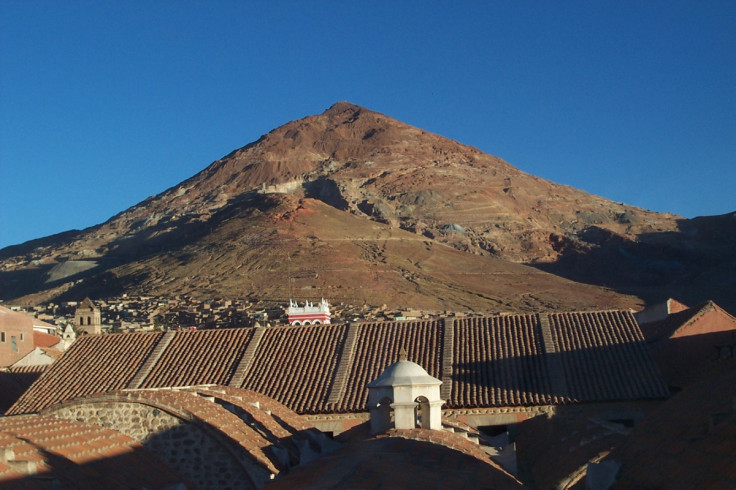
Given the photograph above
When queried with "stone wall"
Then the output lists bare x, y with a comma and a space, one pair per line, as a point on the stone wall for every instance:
195, 453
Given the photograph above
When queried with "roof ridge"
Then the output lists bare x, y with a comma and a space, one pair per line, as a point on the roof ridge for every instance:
244, 365
448, 357
555, 370
152, 359
344, 364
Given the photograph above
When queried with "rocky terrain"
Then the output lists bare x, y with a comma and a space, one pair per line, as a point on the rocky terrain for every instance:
355, 206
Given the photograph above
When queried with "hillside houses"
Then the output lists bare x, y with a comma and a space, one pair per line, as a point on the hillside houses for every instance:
148, 313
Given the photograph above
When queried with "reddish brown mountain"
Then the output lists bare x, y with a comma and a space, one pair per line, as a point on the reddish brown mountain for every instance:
365, 208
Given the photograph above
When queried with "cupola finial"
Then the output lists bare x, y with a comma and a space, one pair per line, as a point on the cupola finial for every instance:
402, 354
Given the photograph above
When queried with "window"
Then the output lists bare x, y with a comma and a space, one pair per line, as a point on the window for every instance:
13, 344
493, 430
2, 337
22, 337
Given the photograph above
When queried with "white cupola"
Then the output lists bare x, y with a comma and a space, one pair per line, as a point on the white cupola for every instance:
413, 395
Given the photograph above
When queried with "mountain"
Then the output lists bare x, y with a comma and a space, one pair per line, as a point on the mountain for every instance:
358, 207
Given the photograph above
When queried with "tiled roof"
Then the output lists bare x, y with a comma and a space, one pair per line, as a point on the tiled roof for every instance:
46, 452
687, 442
243, 421
16, 380
686, 342
416, 458
42, 339
664, 329
604, 357
496, 361
551, 359
677, 323
555, 449
188, 360
378, 346
93, 363
295, 365
499, 361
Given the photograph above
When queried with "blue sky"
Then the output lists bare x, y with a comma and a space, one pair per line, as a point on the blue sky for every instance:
104, 103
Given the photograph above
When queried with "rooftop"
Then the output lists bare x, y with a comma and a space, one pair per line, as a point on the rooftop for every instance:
495, 361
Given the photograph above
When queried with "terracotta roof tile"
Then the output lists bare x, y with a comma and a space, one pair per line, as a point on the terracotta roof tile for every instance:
199, 357
65, 452
245, 421
496, 361
415, 458
378, 346
15, 381
93, 363
42, 339
554, 449
604, 357
687, 442
295, 365
664, 329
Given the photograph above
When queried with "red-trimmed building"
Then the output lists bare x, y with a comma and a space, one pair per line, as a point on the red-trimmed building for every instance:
309, 314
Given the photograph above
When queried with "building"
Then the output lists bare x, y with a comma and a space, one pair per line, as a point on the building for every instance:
687, 442
495, 370
88, 318
309, 314
409, 445
17, 331
689, 339
199, 437
16, 336
659, 311
223, 437
26, 350
580, 391
49, 452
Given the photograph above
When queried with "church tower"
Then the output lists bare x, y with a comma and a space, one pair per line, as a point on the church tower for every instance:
88, 318
68, 337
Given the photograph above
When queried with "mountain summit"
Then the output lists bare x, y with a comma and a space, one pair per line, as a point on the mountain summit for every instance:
348, 186
373, 166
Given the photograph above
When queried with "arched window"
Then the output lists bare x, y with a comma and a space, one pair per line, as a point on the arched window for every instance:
422, 412
385, 412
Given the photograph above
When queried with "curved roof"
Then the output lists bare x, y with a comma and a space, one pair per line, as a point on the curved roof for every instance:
241, 421
408, 458
44, 452
404, 373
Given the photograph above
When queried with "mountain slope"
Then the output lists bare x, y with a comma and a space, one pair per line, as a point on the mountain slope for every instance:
353, 168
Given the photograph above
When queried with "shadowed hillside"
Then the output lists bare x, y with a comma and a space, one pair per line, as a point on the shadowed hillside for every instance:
364, 208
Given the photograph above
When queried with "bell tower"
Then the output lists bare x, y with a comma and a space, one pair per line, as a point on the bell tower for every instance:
88, 318
410, 392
